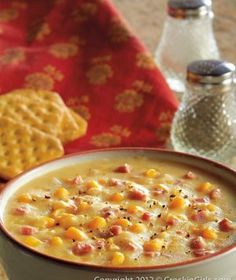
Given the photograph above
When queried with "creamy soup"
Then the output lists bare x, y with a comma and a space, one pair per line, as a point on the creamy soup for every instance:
133, 211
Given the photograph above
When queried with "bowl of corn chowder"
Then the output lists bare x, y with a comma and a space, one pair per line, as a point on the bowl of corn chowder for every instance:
120, 213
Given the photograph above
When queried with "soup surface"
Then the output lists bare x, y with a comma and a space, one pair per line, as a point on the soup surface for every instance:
133, 211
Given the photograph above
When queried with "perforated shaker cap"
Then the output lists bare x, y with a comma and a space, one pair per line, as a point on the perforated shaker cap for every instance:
189, 8
212, 72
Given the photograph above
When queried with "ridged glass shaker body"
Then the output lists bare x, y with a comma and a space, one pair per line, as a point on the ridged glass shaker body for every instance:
205, 123
187, 36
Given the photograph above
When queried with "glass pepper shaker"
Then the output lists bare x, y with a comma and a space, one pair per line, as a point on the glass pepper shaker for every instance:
187, 36
205, 123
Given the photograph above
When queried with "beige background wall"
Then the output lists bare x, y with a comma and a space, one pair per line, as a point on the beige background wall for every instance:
146, 17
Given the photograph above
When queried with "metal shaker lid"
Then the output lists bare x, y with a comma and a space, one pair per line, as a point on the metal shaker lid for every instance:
189, 8
212, 72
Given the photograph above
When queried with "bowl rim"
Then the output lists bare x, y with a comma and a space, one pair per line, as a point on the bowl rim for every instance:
87, 266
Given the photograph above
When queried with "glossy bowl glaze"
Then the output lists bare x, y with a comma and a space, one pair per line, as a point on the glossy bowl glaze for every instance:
23, 263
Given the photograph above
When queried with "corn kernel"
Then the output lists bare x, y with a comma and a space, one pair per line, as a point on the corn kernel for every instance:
117, 197
102, 181
59, 205
32, 241
93, 187
124, 223
113, 247
61, 193
170, 218
151, 173
195, 230
83, 206
50, 222
25, 198
211, 207
75, 234
56, 241
162, 187
133, 209
68, 220
167, 179
178, 203
45, 222
153, 245
205, 187
137, 228
163, 235
110, 240
93, 191
93, 184
175, 191
209, 233
117, 258
97, 223
58, 213
211, 217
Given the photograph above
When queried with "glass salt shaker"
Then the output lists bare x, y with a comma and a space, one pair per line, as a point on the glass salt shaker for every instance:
187, 36
205, 123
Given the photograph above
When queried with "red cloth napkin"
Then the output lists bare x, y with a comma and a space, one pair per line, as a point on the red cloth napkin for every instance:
83, 50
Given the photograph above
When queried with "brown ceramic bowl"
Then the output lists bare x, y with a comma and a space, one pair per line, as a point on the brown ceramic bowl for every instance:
22, 263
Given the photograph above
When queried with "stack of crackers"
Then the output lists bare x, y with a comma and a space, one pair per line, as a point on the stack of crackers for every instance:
34, 125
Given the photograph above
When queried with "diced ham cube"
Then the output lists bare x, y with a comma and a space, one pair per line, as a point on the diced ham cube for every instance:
200, 253
199, 217
112, 182
21, 211
28, 230
178, 182
146, 216
201, 200
126, 168
215, 194
115, 230
190, 175
172, 221
100, 244
109, 212
158, 192
129, 246
149, 254
77, 180
137, 195
82, 249
226, 225
181, 232
197, 243
73, 208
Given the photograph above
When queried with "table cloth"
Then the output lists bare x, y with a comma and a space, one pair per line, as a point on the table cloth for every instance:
84, 50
